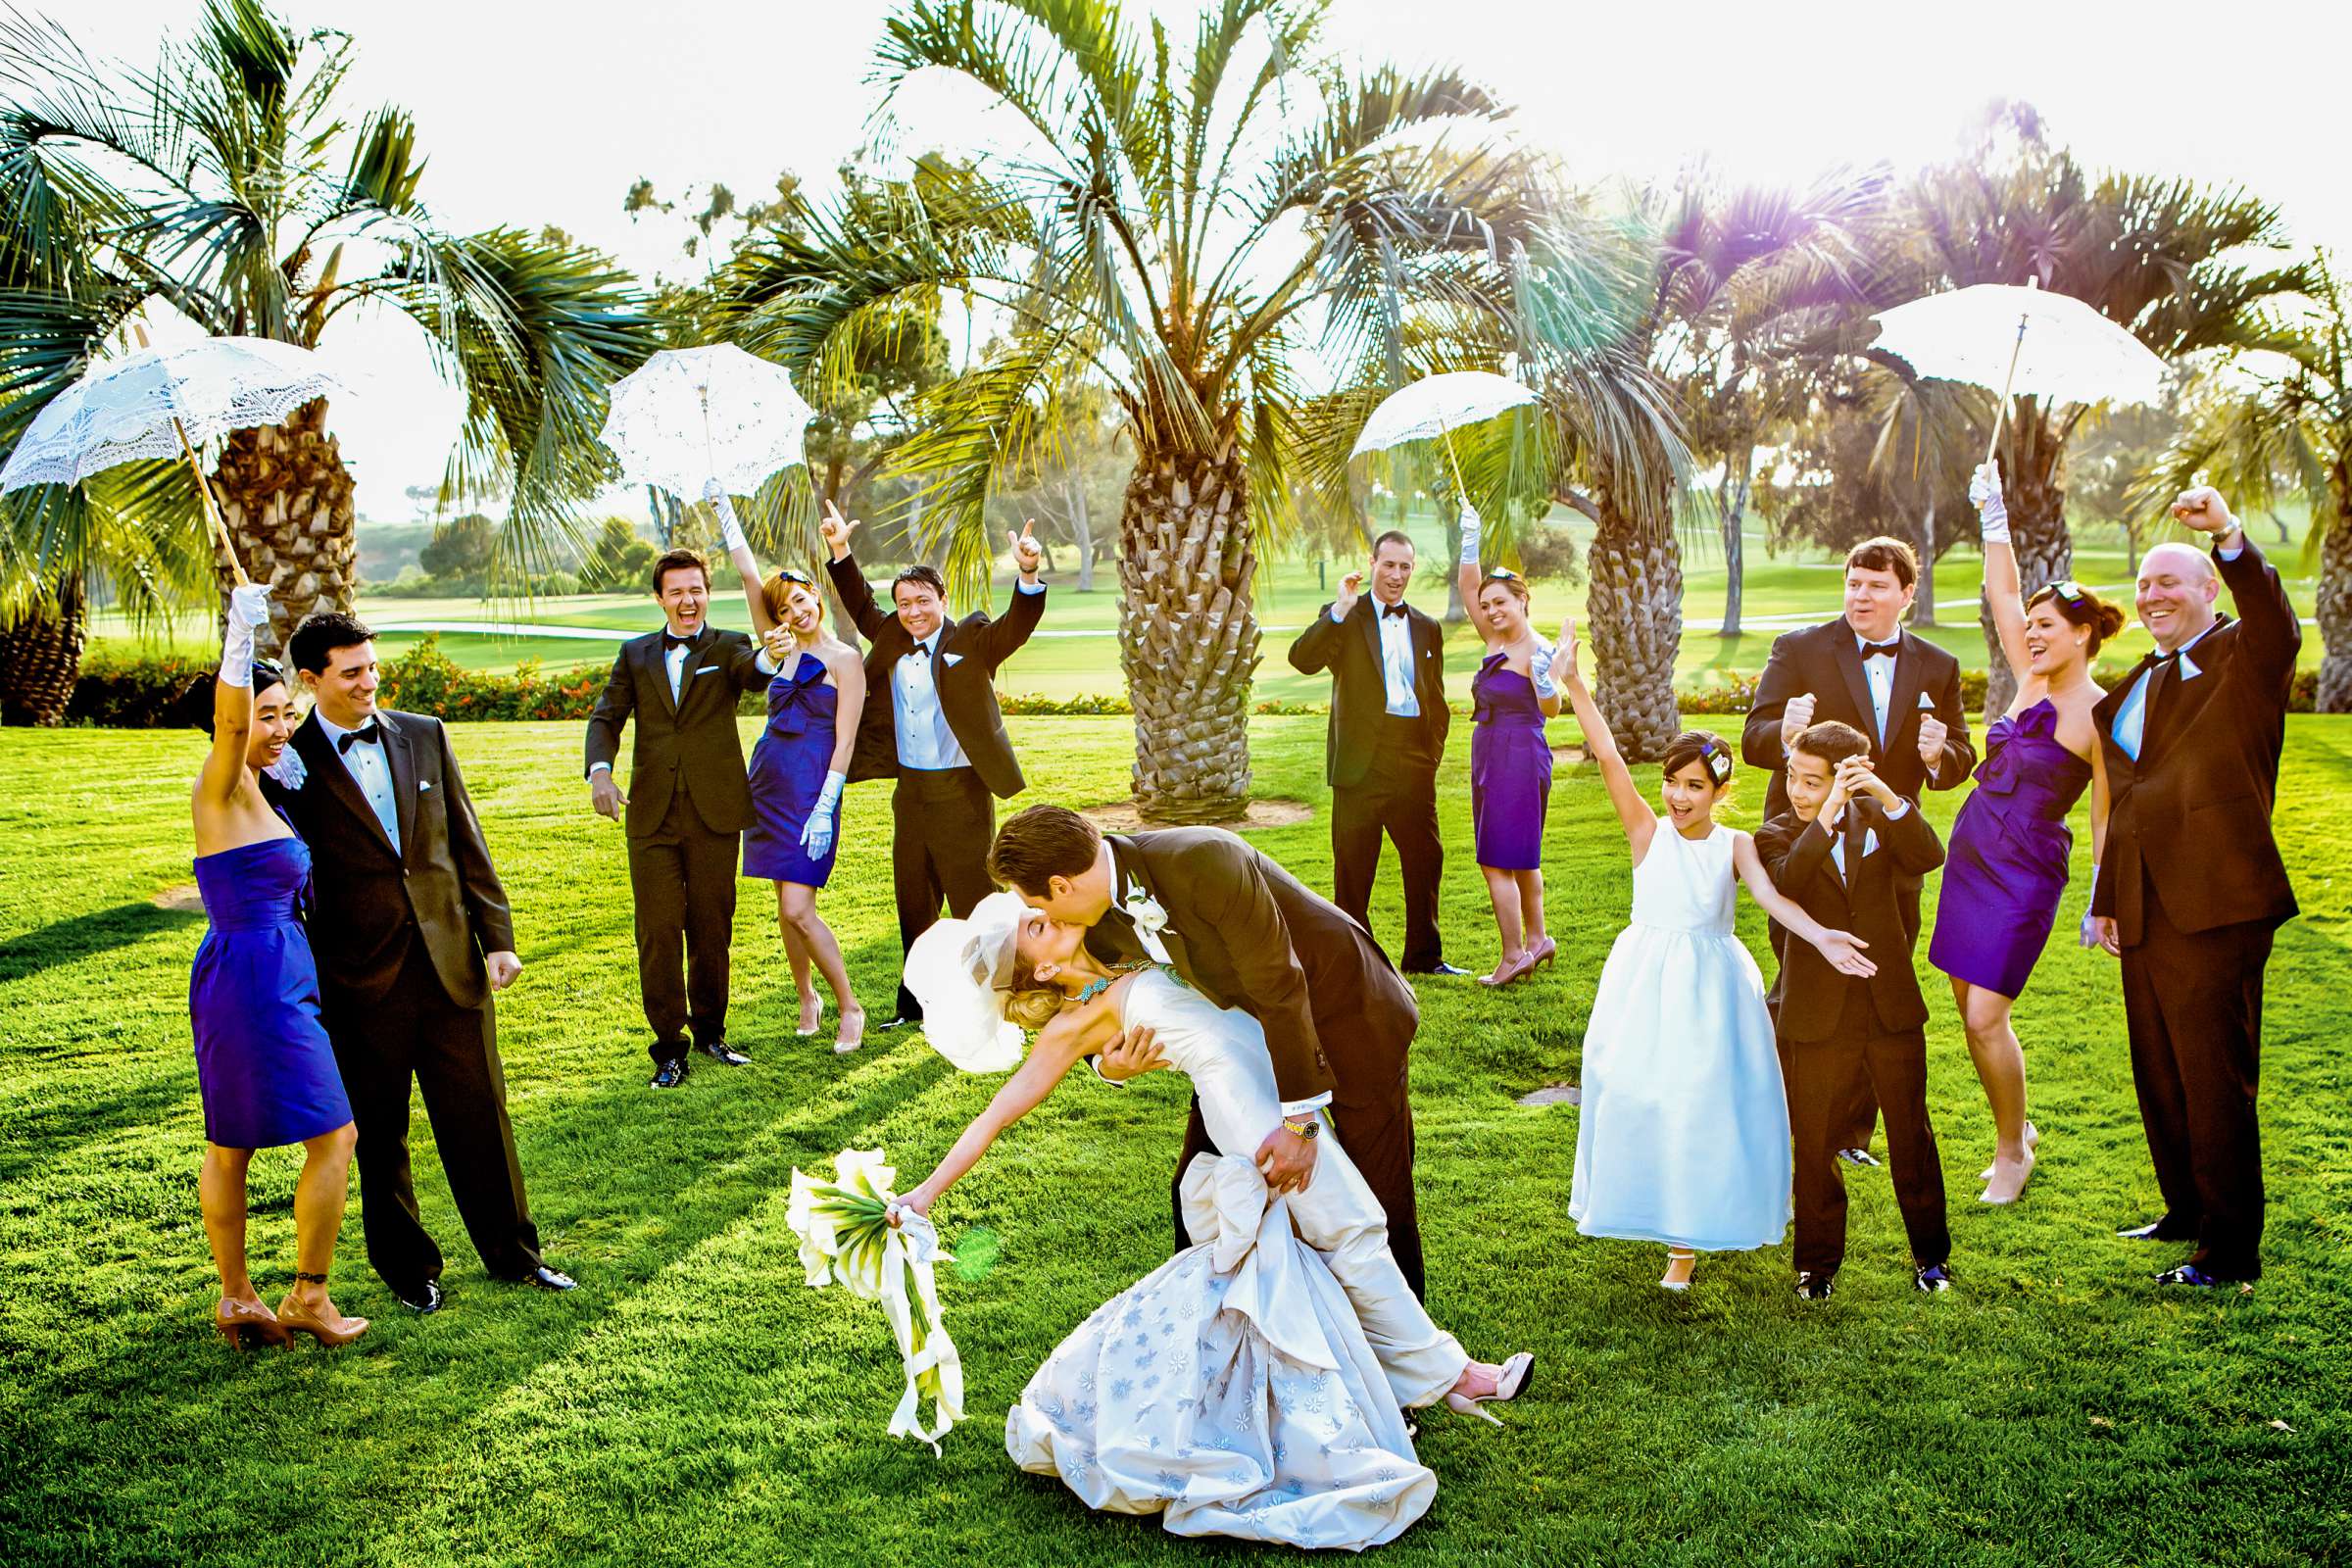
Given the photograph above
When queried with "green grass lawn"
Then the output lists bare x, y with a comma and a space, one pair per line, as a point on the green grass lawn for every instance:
693, 1403
1077, 651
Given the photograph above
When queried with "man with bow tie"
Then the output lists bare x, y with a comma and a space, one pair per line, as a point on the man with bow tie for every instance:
1900, 691
688, 804
1388, 734
931, 724
413, 935
2190, 887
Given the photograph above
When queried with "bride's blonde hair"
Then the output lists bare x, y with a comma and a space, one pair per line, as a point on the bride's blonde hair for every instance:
1029, 1002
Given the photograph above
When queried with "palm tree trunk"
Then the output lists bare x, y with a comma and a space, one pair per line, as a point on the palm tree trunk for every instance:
1923, 605
2335, 605
1082, 527
41, 659
1634, 607
1188, 632
287, 500
1731, 511
2045, 553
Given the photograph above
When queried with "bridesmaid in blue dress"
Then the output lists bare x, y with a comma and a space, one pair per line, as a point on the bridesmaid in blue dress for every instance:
799, 767
2005, 868
1510, 760
263, 1069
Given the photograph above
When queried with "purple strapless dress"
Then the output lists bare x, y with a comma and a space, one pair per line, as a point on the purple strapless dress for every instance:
264, 1066
787, 773
2005, 868
1510, 769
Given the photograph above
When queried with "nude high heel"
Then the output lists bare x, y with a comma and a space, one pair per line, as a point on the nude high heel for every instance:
1511, 971
300, 1319
2032, 1140
810, 1017
1512, 1383
247, 1324
1544, 952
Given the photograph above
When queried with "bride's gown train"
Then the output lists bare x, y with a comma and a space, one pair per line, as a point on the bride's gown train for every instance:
1251, 1386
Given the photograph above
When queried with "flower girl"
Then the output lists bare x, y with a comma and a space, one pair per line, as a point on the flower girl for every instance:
1684, 1136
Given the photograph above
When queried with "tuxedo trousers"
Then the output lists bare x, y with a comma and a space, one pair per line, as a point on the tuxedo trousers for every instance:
682, 883
414, 1033
1379, 1140
1398, 796
1822, 1081
2192, 1001
942, 823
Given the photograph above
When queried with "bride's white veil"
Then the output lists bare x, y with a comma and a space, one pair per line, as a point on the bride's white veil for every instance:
961, 971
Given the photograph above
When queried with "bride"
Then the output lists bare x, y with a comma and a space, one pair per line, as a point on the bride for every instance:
1253, 1385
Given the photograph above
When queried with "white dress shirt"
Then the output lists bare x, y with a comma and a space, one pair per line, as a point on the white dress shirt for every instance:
1395, 658
1869, 836
1879, 673
673, 660
370, 769
925, 741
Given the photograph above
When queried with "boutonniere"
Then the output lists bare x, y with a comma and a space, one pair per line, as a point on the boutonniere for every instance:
1145, 910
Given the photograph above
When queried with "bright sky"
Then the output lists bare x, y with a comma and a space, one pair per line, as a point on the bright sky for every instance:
537, 112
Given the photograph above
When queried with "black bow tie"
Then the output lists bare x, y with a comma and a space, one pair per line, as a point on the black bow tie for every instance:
920, 651
364, 735
670, 639
1881, 650
1392, 612
2156, 660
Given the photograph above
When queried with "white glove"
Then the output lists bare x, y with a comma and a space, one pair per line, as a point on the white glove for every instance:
1992, 513
1538, 671
2087, 935
729, 529
816, 836
1472, 527
248, 612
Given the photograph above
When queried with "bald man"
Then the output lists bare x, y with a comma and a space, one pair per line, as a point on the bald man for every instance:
2190, 887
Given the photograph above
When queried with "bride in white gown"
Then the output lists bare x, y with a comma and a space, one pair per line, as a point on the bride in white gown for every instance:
1252, 1385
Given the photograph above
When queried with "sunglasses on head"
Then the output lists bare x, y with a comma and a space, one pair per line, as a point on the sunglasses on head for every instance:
2066, 589
1503, 574
800, 577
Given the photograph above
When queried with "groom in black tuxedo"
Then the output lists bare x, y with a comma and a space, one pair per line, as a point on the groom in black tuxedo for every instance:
1245, 933
1902, 693
690, 806
2191, 887
1388, 733
931, 724
413, 935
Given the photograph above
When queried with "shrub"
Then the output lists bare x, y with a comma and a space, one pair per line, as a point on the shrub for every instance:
131, 691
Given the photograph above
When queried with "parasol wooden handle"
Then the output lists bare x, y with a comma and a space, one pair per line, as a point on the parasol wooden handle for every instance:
211, 510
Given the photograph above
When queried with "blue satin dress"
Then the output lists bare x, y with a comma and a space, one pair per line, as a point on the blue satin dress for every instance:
2005, 868
787, 773
264, 1066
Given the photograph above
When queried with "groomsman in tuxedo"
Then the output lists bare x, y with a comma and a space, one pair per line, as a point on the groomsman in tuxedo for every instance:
931, 723
1900, 691
688, 809
413, 935
1388, 733
2190, 887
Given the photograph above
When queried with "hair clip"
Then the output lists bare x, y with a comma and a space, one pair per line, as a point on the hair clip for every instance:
1503, 574
800, 577
1719, 764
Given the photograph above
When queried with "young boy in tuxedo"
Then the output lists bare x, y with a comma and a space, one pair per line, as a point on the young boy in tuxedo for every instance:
1844, 849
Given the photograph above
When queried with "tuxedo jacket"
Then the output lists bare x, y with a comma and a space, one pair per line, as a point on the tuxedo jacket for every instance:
1826, 662
1247, 934
693, 738
1809, 995
1359, 684
2192, 815
968, 651
439, 888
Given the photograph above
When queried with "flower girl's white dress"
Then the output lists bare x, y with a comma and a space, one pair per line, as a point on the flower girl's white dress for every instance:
1682, 1131
1251, 1385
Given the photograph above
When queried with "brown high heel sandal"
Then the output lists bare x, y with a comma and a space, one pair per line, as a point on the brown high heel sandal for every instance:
247, 1324
299, 1319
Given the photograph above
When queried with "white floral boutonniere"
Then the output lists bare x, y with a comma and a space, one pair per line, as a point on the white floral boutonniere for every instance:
1145, 910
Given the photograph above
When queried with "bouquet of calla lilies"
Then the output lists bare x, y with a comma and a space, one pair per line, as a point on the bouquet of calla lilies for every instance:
846, 1239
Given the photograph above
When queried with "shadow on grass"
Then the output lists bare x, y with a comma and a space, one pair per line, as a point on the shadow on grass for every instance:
85, 935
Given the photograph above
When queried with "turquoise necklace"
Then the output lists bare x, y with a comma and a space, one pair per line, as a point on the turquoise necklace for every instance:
1096, 988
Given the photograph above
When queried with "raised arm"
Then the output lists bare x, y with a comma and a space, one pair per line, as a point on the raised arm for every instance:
1633, 811
848, 581
739, 551
1001, 639
2002, 593
223, 779
1072, 1034
1843, 949
1320, 643
2272, 636
1466, 573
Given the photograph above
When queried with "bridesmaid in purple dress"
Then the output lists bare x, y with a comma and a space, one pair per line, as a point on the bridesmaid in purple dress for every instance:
2005, 868
798, 769
263, 1069
1510, 760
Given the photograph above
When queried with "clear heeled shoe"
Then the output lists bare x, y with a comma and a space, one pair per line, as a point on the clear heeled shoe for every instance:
1510, 1383
1674, 1255
2032, 1140
810, 1016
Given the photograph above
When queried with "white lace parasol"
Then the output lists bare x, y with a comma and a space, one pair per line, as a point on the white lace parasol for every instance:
139, 405
687, 416
956, 970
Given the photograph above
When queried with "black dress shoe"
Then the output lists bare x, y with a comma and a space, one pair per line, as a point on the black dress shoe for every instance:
2193, 1276
1934, 1279
2153, 1232
1858, 1156
670, 1074
1813, 1286
548, 1279
719, 1050
423, 1303
1443, 970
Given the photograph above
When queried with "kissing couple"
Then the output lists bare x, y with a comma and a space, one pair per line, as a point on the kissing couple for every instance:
1254, 1385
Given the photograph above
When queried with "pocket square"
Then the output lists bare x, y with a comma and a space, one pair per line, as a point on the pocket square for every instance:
953, 658
708, 669
424, 784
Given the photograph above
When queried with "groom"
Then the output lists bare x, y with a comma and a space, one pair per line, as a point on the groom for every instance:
1245, 933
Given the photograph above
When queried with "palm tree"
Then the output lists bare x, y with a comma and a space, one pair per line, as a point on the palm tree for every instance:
2152, 255
228, 185
2289, 430
1176, 226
